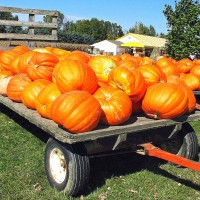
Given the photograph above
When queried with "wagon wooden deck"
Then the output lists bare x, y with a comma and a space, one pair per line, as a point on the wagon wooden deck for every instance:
135, 124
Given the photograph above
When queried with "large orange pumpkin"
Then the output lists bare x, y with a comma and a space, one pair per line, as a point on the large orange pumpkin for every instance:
131, 82
102, 65
165, 101
21, 49
167, 66
116, 105
23, 62
77, 55
45, 99
74, 75
31, 92
191, 80
184, 65
78, 111
191, 98
17, 85
196, 70
6, 58
41, 66
152, 74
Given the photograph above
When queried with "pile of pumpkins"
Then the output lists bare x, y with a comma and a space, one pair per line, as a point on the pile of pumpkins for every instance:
79, 91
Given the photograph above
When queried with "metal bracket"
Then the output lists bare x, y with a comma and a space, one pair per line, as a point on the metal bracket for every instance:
177, 128
121, 138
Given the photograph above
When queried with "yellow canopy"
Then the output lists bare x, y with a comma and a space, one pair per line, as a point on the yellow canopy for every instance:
132, 44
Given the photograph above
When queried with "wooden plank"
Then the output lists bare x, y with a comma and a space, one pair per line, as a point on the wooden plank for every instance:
29, 24
27, 11
28, 36
134, 125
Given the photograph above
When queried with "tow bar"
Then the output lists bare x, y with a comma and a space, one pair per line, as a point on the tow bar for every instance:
151, 150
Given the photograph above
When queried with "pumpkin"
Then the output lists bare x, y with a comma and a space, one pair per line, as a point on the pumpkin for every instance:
4, 84
191, 80
77, 55
131, 82
191, 98
146, 61
167, 66
165, 101
117, 58
74, 75
21, 49
78, 111
23, 62
116, 105
152, 74
41, 66
45, 99
5, 73
102, 65
196, 70
129, 64
184, 65
16, 85
31, 92
6, 58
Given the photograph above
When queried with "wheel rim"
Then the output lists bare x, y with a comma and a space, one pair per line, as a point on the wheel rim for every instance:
58, 165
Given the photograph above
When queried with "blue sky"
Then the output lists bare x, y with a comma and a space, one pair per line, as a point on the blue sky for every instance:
123, 12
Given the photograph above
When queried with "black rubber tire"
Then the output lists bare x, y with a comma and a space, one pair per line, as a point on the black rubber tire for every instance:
184, 144
77, 167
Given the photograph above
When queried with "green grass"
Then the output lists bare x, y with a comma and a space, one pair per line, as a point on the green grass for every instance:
122, 177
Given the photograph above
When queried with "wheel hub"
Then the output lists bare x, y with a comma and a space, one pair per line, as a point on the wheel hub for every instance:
58, 166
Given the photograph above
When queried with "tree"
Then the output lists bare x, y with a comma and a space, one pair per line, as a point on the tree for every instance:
184, 28
140, 28
9, 29
97, 29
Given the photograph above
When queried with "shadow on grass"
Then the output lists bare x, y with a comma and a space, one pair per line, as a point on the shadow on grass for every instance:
39, 133
103, 168
119, 165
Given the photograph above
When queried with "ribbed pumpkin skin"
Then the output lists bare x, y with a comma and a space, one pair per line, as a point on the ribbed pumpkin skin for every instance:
102, 65
152, 74
23, 61
31, 92
41, 66
77, 111
165, 101
196, 70
6, 58
116, 105
191, 97
131, 82
191, 80
16, 86
45, 99
74, 75
184, 65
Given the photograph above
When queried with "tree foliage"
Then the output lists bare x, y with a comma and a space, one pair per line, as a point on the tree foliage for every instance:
140, 28
9, 29
98, 29
184, 28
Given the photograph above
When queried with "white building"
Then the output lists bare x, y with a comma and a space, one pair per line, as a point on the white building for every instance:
110, 47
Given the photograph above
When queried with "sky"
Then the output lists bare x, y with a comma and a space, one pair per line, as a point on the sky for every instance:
123, 12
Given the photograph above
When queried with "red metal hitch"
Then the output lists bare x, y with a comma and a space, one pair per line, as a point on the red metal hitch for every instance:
151, 150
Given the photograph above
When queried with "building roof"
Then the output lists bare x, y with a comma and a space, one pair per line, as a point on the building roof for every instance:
146, 40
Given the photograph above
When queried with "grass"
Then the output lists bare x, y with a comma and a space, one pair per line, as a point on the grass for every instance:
122, 177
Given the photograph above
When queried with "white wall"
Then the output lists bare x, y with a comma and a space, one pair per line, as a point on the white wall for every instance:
106, 46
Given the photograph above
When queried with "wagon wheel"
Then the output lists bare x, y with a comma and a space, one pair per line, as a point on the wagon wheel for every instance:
184, 144
67, 167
